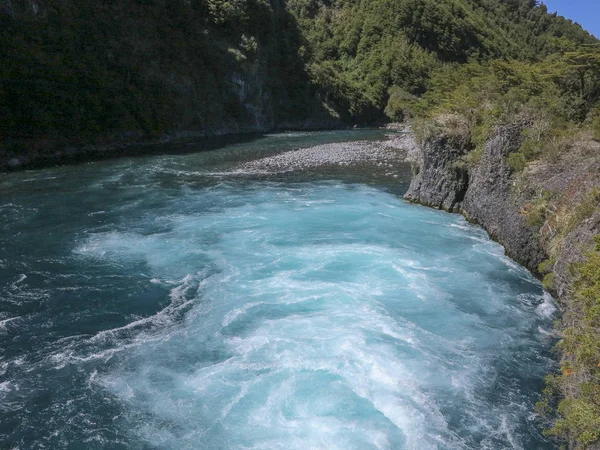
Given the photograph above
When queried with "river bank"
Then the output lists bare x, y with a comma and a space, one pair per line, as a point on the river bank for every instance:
386, 153
488, 192
25, 154
546, 217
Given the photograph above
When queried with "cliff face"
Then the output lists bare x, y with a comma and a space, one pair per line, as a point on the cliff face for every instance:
546, 217
441, 182
482, 193
489, 200
492, 195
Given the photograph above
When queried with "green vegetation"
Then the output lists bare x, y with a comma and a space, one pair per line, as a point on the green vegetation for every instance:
553, 98
383, 52
578, 384
87, 68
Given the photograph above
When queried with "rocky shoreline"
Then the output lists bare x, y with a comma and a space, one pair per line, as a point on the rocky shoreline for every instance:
489, 193
545, 216
483, 193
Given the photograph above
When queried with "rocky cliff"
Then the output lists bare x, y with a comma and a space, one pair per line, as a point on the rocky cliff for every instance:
481, 192
536, 214
440, 181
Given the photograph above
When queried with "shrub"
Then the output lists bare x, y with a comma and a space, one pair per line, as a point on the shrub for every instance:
400, 105
516, 161
596, 128
548, 281
577, 417
584, 209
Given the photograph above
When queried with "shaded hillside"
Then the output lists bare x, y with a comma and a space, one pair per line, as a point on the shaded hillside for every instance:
88, 68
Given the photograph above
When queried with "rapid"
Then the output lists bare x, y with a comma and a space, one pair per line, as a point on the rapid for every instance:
174, 302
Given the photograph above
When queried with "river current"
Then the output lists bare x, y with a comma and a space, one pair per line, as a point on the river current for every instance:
164, 303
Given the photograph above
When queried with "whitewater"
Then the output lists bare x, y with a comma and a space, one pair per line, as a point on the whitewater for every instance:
175, 302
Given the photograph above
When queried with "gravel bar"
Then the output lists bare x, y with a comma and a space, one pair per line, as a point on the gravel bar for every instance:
397, 149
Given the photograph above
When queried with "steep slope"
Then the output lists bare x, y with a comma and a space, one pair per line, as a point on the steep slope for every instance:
81, 69
86, 68
558, 246
369, 55
516, 148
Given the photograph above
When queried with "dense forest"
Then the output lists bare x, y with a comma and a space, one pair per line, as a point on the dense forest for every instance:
84, 70
367, 55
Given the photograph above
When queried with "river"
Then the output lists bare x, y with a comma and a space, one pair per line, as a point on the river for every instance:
170, 302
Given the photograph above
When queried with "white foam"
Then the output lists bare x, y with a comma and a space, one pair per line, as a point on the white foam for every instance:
233, 315
309, 329
547, 308
5, 322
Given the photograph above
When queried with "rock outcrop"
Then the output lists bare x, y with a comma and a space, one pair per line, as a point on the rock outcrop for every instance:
490, 202
548, 213
441, 181
485, 192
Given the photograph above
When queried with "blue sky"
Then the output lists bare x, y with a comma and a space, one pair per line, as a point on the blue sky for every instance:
585, 12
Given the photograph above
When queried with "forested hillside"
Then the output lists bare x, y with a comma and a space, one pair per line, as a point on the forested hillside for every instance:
367, 55
87, 68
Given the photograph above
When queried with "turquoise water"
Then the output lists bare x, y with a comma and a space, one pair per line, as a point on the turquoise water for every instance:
158, 303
